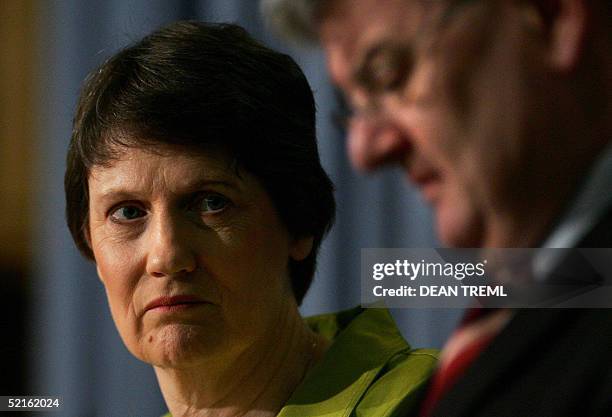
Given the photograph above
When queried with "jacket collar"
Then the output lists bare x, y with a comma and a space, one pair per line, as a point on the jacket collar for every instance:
363, 342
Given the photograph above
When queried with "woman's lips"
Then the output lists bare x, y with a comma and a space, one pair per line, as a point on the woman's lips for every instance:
174, 303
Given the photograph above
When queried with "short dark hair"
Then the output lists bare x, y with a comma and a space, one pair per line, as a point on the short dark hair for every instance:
206, 86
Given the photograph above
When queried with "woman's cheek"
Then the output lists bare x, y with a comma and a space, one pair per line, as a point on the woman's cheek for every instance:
117, 265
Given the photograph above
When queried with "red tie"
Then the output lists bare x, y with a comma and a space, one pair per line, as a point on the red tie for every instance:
476, 331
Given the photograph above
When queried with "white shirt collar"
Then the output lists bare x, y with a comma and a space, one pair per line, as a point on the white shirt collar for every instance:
590, 204
588, 207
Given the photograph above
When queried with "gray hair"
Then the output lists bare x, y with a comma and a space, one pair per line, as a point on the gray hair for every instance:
295, 20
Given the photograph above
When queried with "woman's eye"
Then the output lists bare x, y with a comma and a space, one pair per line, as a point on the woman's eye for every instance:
127, 213
212, 203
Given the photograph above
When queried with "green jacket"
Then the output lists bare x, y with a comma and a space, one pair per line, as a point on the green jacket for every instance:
368, 371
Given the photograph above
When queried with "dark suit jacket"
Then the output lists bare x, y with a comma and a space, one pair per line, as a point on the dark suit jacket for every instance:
545, 363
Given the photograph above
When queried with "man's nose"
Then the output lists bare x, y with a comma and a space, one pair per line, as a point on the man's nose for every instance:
169, 251
375, 142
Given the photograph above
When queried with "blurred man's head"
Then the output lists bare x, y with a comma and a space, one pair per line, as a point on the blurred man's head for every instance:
494, 109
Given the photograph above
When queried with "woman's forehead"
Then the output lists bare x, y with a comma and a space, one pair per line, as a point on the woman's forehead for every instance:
180, 170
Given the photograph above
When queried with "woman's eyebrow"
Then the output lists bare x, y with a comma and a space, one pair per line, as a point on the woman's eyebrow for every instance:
116, 194
207, 182
122, 192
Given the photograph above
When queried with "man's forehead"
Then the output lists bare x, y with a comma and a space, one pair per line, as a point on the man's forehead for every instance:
354, 25
350, 28
347, 18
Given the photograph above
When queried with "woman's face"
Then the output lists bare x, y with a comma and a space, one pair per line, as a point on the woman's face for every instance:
192, 254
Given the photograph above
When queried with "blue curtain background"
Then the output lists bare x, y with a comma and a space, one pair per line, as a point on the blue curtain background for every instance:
75, 351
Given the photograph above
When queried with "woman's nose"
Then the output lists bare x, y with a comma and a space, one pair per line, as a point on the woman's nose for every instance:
169, 251
374, 142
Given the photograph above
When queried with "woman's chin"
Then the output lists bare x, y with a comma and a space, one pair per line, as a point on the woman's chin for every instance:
176, 346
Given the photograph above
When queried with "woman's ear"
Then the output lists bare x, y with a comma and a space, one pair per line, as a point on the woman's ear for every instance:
87, 237
87, 234
301, 248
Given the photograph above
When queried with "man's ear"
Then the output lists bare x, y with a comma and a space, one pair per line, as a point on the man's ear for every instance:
565, 25
301, 248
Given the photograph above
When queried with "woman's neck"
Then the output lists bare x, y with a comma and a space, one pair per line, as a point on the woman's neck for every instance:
257, 382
